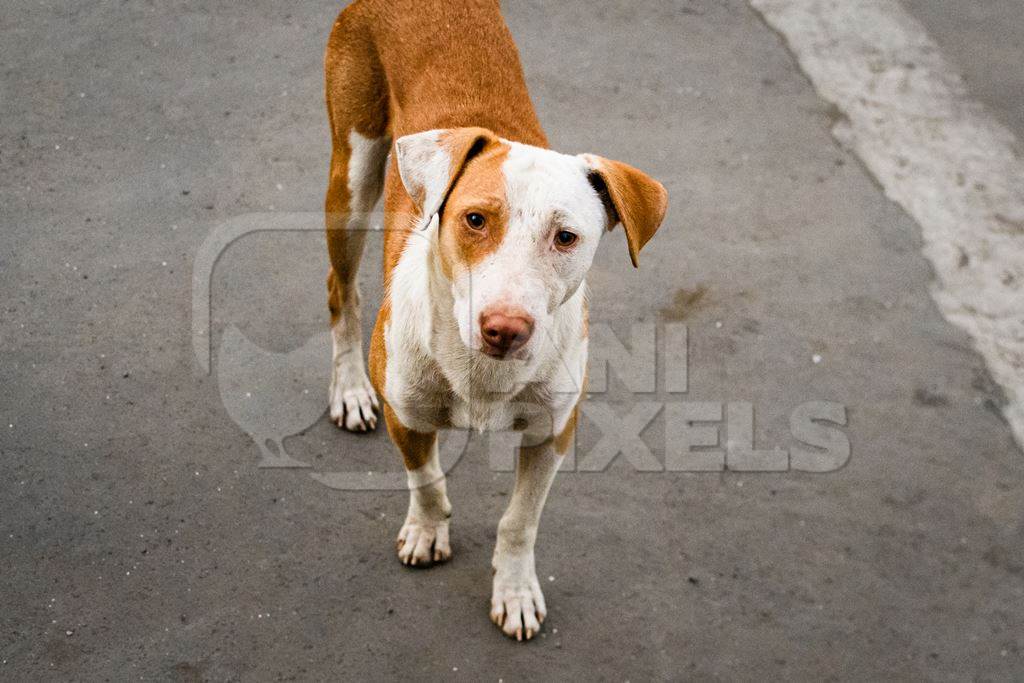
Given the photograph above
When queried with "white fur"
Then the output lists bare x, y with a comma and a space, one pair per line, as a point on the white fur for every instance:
546, 191
351, 398
424, 166
517, 601
424, 536
437, 377
432, 338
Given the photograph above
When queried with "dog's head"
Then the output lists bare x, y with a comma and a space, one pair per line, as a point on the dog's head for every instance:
519, 226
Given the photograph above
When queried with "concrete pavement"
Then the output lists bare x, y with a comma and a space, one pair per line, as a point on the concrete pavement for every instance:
138, 539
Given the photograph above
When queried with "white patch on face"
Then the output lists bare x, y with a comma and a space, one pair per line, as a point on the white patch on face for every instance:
546, 192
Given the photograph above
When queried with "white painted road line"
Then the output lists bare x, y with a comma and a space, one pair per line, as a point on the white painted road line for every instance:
936, 152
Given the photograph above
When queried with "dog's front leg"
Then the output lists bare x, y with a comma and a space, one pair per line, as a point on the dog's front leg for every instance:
517, 602
424, 536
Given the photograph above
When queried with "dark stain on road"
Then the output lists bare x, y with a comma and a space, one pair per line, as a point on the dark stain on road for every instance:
685, 302
997, 556
932, 399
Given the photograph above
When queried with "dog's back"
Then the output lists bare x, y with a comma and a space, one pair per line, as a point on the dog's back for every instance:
402, 66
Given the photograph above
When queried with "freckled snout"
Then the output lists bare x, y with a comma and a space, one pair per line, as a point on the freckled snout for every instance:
504, 331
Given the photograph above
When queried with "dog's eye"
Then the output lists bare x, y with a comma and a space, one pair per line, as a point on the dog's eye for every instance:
475, 220
564, 238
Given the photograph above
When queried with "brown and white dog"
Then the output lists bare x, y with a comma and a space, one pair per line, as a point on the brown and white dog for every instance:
488, 238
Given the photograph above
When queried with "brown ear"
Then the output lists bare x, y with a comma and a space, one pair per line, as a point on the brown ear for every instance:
631, 197
430, 162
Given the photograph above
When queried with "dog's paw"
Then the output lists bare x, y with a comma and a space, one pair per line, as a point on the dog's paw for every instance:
353, 402
517, 602
422, 543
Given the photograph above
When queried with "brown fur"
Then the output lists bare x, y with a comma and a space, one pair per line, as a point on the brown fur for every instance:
563, 440
481, 190
355, 90
414, 446
399, 67
395, 67
378, 356
447, 65
633, 198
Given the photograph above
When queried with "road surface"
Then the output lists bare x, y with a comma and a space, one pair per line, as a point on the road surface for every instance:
139, 540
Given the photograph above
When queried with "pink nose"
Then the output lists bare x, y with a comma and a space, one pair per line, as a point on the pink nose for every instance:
505, 331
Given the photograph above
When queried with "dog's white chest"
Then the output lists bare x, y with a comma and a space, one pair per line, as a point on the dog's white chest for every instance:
426, 396
433, 380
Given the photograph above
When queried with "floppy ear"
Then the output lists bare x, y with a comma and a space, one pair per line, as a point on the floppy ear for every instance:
430, 162
630, 197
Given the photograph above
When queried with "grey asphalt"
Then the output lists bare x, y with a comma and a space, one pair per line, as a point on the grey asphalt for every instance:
985, 41
138, 539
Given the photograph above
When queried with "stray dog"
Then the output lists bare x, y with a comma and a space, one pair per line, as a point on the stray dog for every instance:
488, 238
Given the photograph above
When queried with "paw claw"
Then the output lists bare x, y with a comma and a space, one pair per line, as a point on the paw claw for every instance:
351, 398
423, 543
517, 603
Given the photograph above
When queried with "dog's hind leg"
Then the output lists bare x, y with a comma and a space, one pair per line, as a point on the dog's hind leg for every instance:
357, 109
